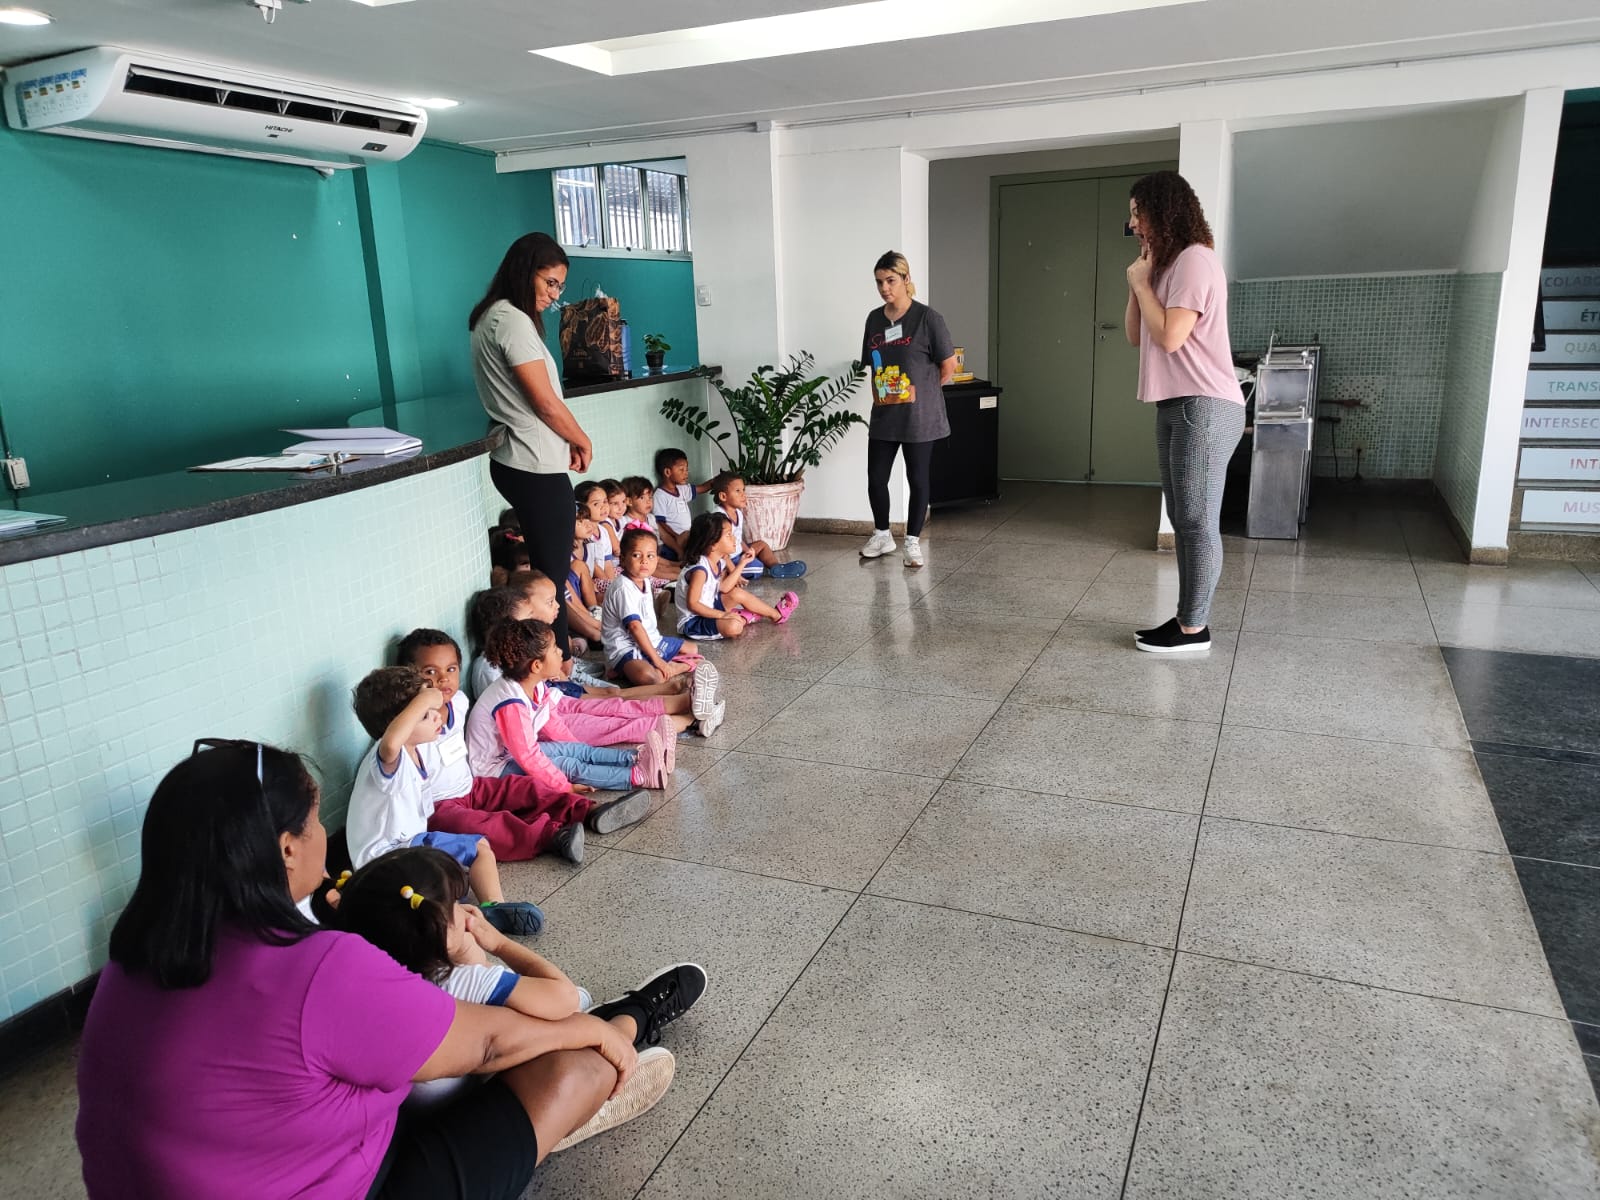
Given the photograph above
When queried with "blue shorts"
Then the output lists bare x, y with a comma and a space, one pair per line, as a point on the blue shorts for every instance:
463, 847
666, 552
701, 629
668, 648
567, 688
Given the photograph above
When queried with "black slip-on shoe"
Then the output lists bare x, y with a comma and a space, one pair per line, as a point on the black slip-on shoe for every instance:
1175, 641
620, 813
1170, 625
658, 1001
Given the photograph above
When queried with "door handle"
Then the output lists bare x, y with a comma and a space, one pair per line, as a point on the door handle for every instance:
1108, 324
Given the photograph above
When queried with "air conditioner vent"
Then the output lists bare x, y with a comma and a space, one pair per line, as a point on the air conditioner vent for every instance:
155, 100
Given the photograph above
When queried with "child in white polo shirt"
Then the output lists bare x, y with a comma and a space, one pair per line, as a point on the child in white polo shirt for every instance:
673, 496
728, 491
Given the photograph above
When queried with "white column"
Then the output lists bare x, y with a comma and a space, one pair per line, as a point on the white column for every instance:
1519, 292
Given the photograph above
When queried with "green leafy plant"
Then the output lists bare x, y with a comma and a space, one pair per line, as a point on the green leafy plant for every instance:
782, 421
656, 343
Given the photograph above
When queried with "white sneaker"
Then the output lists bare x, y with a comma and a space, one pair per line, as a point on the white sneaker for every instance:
879, 544
709, 725
913, 552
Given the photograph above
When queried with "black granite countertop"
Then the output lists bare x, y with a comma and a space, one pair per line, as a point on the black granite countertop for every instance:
452, 428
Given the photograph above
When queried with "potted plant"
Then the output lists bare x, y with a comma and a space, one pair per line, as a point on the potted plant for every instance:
782, 424
655, 352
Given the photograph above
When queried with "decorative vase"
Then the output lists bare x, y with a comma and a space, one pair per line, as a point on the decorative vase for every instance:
653, 360
770, 510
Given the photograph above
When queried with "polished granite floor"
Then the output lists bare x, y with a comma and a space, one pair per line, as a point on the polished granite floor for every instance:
994, 905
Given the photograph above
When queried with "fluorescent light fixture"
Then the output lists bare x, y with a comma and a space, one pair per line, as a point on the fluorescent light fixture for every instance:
431, 101
870, 24
381, 3
23, 16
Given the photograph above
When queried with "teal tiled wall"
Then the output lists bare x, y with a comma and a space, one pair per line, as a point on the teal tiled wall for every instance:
1473, 312
113, 660
1385, 339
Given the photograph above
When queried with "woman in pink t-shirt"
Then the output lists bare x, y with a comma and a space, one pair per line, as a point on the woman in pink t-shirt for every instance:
1178, 317
233, 1048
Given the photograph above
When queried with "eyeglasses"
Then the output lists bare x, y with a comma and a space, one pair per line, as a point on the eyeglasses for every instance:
232, 744
551, 283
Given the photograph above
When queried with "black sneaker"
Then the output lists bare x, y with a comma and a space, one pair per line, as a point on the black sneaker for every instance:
620, 813
1170, 625
514, 918
658, 1001
569, 842
1174, 640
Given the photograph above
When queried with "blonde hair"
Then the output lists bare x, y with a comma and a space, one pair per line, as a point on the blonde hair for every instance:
893, 260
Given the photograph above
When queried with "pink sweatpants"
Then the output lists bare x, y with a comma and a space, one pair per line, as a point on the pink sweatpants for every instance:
609, 722
516, 817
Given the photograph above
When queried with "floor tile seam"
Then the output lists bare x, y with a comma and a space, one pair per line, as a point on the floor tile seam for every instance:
1101, 712
904, 690
1177, 939
1365, 837
1011, 919
1564, 653
1586, 1024
745, 1049
1580, 608
1038, 795
1556, 862
713, 866
1580, 758
1345, 737
830, 763
1375, 987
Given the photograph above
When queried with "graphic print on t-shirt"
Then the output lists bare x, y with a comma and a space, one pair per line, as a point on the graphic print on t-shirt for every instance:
890, 384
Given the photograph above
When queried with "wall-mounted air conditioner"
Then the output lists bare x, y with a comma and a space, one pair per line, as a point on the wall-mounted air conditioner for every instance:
152, 100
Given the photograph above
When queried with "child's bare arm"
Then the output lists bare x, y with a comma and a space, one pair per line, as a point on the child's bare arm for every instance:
671, 536
641, 639
393, 742
585, 582
544, 991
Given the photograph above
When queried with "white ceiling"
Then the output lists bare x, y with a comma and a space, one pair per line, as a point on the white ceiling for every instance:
476, 51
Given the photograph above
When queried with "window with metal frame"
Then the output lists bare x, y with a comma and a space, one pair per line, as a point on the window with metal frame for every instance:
621, 207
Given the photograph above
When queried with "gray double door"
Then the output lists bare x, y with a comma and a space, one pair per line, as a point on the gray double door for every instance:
1070, 376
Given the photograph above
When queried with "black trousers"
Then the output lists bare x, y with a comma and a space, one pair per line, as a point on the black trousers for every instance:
548, 513
880, 460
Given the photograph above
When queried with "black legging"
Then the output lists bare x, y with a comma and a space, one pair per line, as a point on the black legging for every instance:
548, 513
880, 459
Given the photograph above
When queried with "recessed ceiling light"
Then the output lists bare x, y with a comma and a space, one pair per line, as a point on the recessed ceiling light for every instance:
873, 23
431, 101
23, 16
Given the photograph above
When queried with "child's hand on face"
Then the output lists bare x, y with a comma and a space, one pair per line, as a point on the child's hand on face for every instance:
433, 696
486, 938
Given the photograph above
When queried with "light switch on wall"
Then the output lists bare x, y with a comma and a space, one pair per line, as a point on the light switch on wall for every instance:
702, 295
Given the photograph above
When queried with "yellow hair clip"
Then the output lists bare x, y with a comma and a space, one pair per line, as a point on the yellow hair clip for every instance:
344, 878
411, 895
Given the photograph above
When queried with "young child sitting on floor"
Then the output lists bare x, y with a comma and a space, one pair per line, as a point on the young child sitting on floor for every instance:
674, 493
635, 649
640, 494
503, 730
517, 819
582, 599
728, 491
616, 512
697, 693
388, 807
712, 603
600, 554
409, 904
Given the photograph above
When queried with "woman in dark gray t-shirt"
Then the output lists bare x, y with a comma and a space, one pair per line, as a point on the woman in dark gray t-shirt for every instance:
909, 358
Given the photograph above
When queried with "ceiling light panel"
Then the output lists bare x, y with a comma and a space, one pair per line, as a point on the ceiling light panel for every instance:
870, 24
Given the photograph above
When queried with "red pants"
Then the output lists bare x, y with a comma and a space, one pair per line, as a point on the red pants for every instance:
512, 814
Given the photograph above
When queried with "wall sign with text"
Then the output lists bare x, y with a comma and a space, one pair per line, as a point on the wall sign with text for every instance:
1560, 462
1561, 508
1561, 424
1545, 384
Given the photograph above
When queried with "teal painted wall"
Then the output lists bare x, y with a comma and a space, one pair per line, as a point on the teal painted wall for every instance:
155, 306
459, 218
159, 309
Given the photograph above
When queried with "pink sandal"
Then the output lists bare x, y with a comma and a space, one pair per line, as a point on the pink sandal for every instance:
749, 618
786, 606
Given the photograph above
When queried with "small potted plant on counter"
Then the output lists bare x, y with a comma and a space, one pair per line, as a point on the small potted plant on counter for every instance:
655, 352
783, 422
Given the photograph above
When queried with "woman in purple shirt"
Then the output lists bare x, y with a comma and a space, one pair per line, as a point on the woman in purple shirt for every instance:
233, 1048
1178, 317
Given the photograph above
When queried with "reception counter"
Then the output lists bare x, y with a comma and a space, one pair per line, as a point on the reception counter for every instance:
204, 605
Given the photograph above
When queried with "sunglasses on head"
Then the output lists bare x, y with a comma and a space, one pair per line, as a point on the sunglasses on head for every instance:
231, 744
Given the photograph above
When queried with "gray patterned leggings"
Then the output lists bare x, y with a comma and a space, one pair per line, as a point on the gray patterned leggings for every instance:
1195, 437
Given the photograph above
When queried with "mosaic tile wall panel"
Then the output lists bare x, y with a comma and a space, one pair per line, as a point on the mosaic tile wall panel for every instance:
113, 660
1473, 314
1385, 339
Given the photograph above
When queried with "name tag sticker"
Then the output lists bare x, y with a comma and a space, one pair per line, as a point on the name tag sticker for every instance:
988, 401
892, 334
452, 750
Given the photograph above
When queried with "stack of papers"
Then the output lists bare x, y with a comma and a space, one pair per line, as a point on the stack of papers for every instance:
13, 521
365, 440
270, 462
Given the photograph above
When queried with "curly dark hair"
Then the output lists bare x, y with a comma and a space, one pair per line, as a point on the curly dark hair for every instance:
405, 654
1172, 216
383, 695
370, 904
514, 646
488, 608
